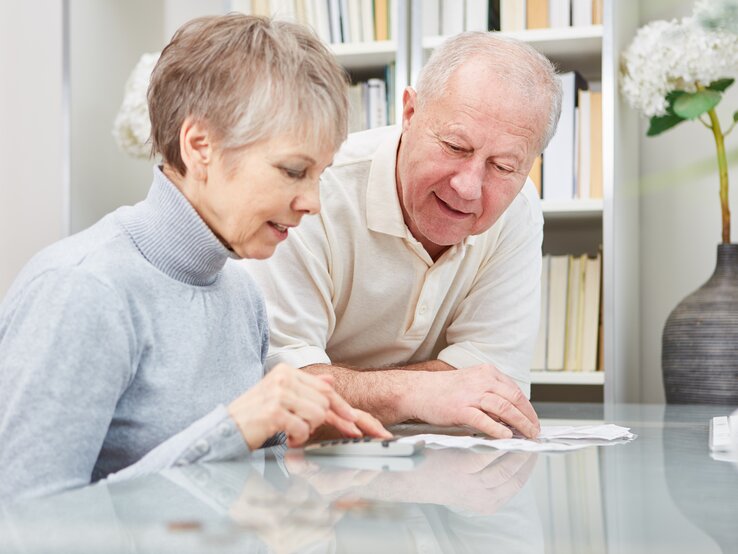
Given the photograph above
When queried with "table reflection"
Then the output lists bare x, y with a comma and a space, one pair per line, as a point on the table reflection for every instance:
446, 500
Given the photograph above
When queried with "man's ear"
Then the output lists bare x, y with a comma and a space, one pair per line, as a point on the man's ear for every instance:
195, 147
409, 97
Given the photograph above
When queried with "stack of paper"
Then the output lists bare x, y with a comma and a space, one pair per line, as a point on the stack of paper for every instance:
551, 439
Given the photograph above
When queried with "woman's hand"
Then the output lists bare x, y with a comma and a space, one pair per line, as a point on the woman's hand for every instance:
297, 403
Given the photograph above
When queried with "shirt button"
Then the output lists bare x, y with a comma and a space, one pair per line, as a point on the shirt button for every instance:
422, 309
202, 447
225, 430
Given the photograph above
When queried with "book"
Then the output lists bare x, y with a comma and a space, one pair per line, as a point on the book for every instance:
377, 103
493, 15
558, 277
559, 13
574, 294
539, 353
301, 15
476, 15
591, 313
381, 30
319, 19
357, 114
334, 15
596, 12
283, 9
536, 12
343, 13
595, 144
367, 20
452, 17
260, 7
559, 157
243, 6
512, 15
581, 13
431, 18
584, 156
354, 20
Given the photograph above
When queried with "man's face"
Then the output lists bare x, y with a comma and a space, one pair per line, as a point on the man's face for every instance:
464, 156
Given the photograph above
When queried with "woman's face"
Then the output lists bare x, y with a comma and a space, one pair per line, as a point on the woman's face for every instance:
252, 196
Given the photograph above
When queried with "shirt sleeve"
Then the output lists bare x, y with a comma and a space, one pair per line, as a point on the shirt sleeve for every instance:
497, 322
298, 288
66, 356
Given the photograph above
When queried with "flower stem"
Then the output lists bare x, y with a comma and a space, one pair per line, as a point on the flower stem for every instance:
723, 168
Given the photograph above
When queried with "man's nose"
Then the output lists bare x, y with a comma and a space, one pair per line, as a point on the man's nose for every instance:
468, 180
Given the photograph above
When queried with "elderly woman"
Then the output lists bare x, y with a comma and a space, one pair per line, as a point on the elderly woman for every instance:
132, 342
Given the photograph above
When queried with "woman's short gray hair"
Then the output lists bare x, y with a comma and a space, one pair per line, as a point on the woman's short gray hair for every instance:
249, 79
516, 62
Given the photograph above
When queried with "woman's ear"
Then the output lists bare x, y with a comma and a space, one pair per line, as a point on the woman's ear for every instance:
195, 147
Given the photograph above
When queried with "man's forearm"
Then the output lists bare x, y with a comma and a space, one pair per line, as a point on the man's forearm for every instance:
383, 392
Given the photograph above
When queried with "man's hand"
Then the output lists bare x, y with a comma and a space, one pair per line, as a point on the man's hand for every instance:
479, 396
297, 403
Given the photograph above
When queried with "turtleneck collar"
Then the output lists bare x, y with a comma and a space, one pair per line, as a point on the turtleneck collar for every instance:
170, 234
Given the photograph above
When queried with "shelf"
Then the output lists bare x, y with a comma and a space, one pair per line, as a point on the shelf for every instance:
360, 55
567, 377
568, 209
569, 47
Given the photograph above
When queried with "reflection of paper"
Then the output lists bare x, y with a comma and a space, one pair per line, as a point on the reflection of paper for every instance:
551, 439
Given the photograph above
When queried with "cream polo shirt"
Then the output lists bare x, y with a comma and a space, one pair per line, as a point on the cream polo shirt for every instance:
353, 286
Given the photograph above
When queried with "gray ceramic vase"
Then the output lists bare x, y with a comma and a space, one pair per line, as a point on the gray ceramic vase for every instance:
699, 356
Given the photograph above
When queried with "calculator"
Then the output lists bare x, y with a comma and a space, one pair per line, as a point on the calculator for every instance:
365, 446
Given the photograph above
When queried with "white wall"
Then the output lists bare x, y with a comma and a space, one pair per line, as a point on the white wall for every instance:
680, 214
32, 199
106, 39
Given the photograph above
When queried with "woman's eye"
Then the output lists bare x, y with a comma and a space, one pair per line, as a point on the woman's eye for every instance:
294, 173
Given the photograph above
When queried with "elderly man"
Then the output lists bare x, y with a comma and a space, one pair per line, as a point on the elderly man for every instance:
417, 286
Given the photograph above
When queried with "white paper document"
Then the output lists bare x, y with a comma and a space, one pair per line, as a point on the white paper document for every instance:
552, 439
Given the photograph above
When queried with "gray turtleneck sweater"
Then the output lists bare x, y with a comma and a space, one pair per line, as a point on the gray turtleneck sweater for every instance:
123, 341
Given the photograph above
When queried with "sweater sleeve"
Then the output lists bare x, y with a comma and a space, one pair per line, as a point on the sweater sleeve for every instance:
66, 356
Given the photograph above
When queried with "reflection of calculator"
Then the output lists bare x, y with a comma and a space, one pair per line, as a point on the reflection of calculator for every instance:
365, 446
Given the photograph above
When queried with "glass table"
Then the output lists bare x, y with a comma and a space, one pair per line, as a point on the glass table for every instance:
659, 493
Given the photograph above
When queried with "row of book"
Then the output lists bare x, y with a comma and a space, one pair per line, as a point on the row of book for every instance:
571, 166
369, 105
570, 331
449, 17
518, 15
334, 21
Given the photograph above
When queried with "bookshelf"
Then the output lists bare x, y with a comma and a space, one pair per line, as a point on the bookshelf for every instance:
571, 226
583, 225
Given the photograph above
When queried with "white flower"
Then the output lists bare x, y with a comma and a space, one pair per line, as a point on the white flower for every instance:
674, 55
132, 127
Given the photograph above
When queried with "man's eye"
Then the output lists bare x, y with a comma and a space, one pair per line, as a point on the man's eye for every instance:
454, 148
503, 169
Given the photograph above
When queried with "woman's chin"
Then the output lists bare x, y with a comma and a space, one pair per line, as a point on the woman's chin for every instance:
261, 252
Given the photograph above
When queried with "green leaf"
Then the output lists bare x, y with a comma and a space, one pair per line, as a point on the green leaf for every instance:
660, 123
735, 116
693, 104
671, 98
720, 85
